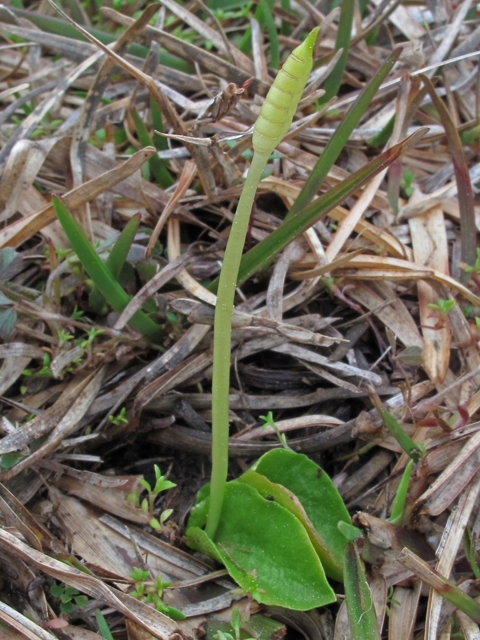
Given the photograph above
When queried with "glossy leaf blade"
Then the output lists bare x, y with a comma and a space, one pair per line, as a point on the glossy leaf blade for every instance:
320, 499
116, 259
282, 496
266, 550
101, 276
256, 534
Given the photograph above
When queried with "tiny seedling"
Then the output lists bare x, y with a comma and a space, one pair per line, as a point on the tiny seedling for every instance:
475, 267
391, 601
406, 183
44, 372
68, 597
477, 322
147, 505
77, 313
151, 591
443, 307
236, 624
64, 336
91, 335
117, 420
268, 421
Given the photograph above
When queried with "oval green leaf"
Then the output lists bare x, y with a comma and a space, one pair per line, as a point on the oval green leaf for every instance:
267, 551
268, 489
320, 499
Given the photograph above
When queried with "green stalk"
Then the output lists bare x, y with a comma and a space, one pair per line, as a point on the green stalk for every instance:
275, 118
222, 341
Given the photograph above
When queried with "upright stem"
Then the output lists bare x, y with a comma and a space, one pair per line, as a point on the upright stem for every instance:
222, 339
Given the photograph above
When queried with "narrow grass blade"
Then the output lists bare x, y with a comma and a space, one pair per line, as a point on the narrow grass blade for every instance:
403, 439
263, 252
334, 80
285, 29
101, 276
399, 501
246, 42
445, 587
159, 141
361, 614
337, 142
55, 25
469, 541
468, 229
157, 165
116, 260
272, 34
103, 627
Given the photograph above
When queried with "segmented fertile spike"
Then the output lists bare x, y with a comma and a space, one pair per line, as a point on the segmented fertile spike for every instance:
279, 106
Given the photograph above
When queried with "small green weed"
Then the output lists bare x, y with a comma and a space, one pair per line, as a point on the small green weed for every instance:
147, 505
119, 418
475, 267
406, 183
68, 597
152, 591
236, 623
443, 307
269, 422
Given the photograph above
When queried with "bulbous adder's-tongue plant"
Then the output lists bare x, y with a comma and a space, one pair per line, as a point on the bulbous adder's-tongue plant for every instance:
272, 124
275, 528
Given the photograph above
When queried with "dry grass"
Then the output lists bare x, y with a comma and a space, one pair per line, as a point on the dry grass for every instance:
366, 274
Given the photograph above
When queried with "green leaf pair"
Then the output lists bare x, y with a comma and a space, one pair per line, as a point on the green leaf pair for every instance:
278, 535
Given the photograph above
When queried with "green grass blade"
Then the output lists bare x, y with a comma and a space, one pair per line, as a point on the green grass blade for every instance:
361, 614
334, 80
157, 165
343, 132
468, 229
103, 627
401, 495
263, 252
246, 42
285, 28
119, 253
272, 34
100, 274
445, 588
55, 25
115, 261
400, 435
160, 142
